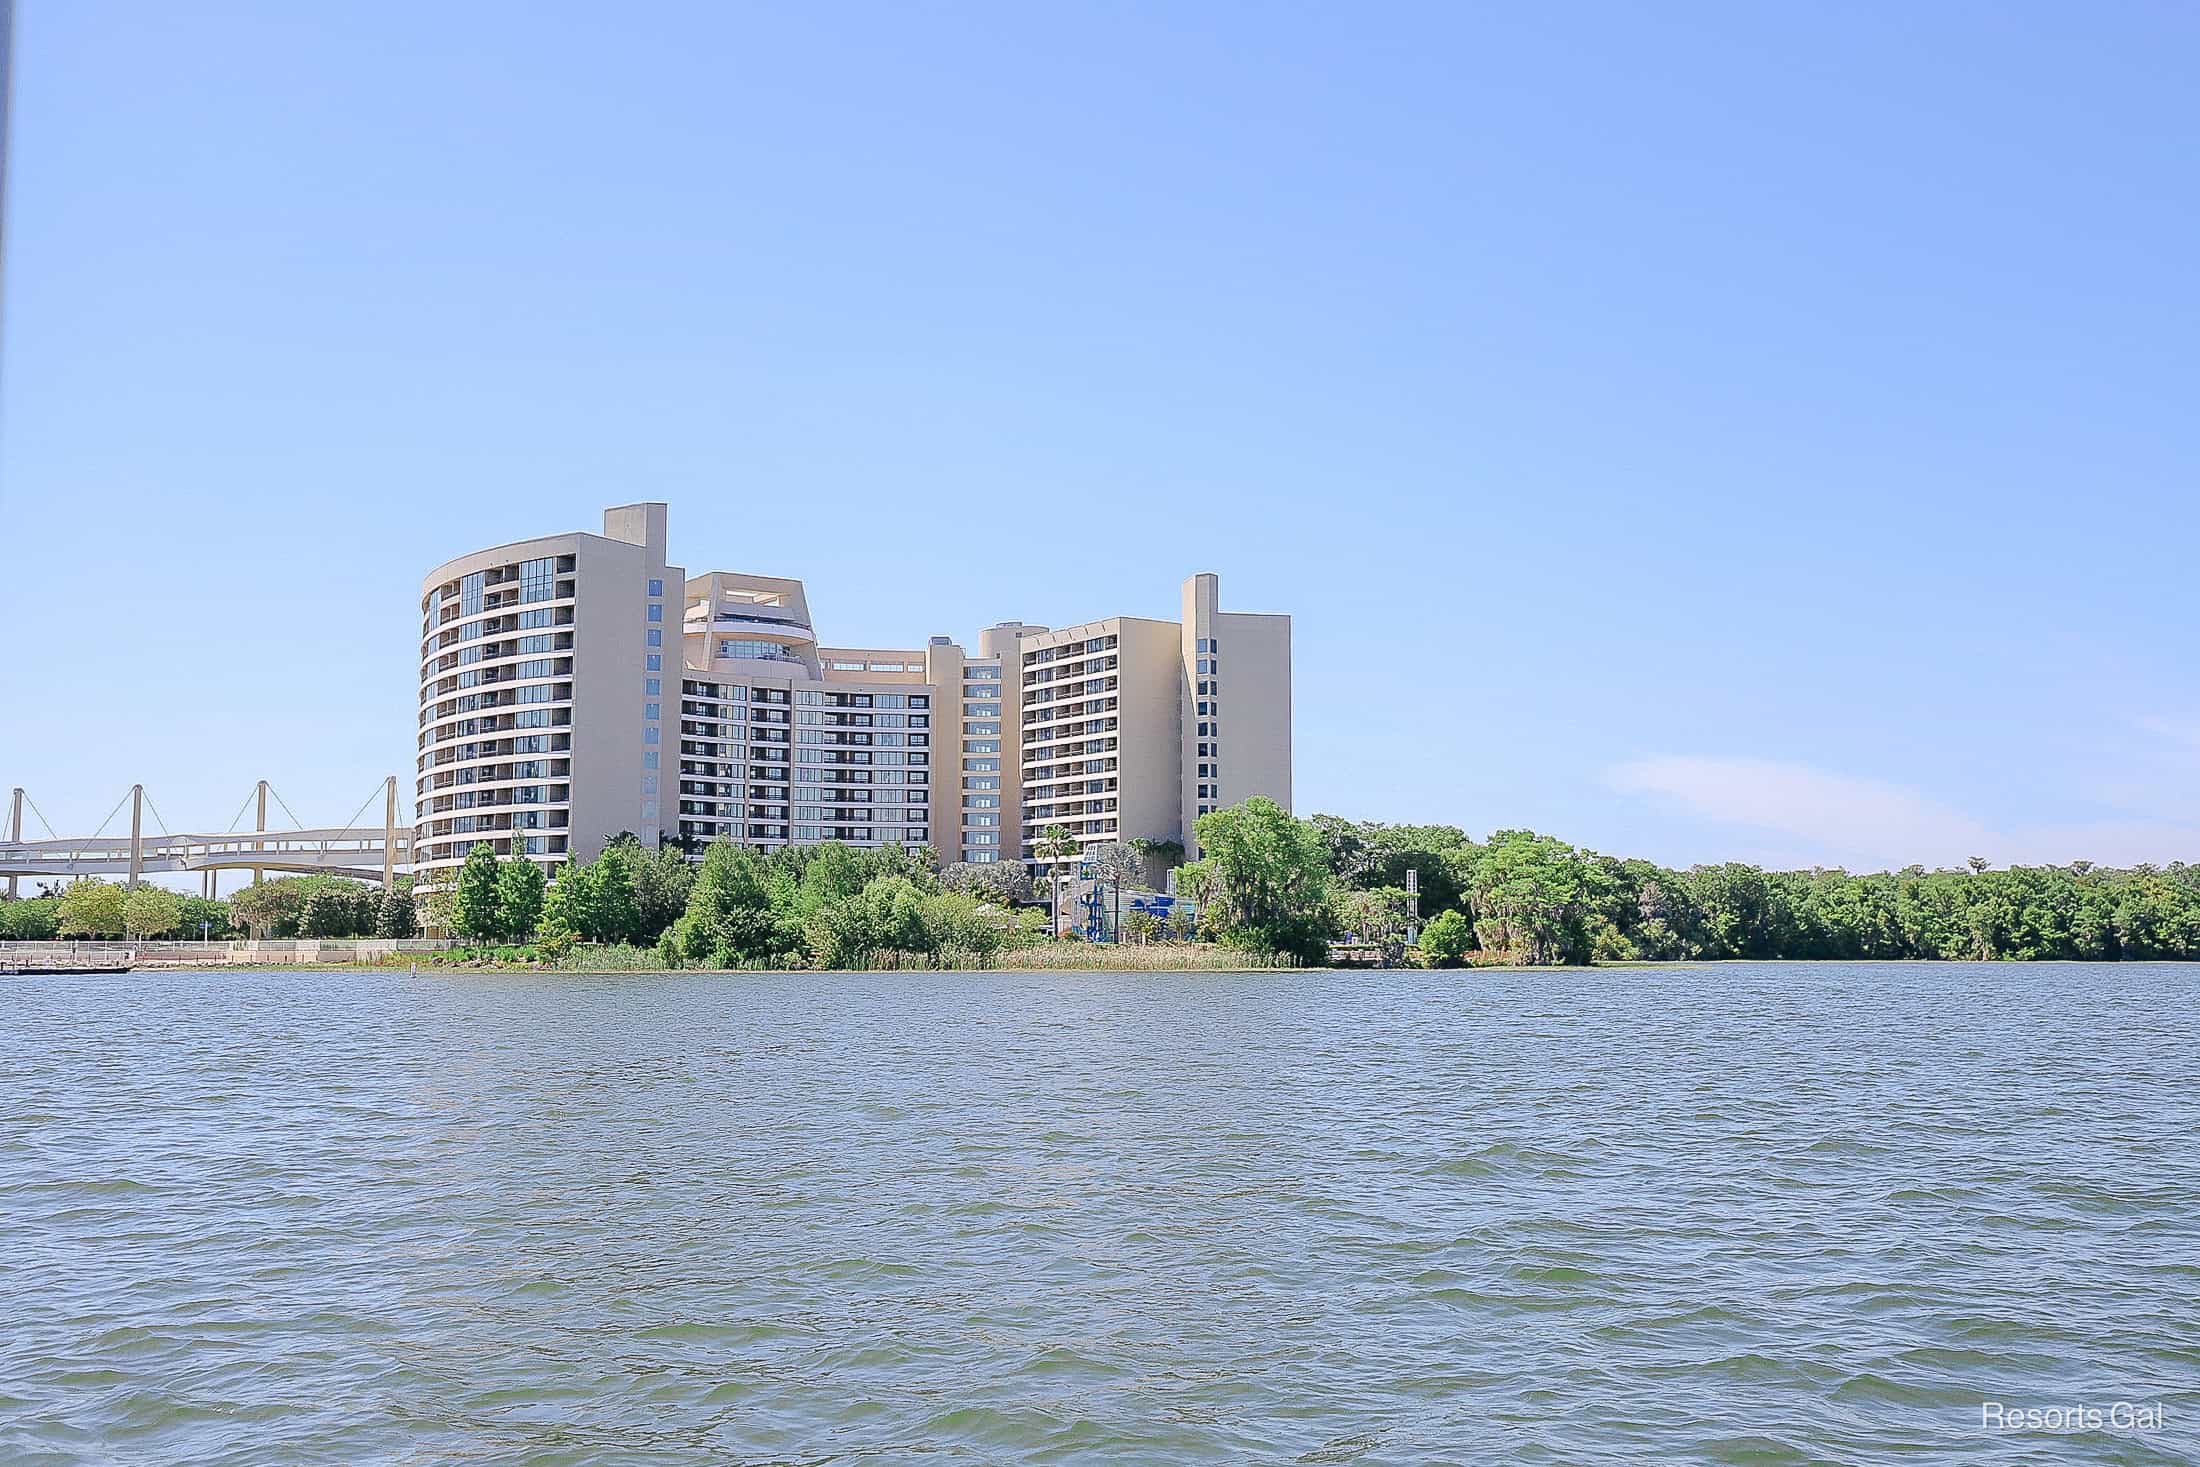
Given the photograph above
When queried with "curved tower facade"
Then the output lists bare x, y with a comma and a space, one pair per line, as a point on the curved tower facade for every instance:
543, 669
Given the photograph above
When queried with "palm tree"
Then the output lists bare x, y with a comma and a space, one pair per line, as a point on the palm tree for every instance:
1058, 847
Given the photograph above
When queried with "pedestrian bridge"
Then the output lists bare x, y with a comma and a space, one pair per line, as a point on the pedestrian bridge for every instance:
373, 851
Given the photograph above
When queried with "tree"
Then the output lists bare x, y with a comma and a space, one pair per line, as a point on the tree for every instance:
662, 880
1006, 882
339, 909
1270, 878
1057, 847
205, 917
475, 911
1447, 939
149, 911
396, 916
731, 918
1377, 917
32, 919
1534, 898
91, 907
276, 908
519, 898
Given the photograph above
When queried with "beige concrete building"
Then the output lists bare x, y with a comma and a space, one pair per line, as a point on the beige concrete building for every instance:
577, 686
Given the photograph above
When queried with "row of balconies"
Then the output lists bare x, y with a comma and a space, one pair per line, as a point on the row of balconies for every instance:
466, 728
498, 626
1072, 650
498, 652
1084, 667
1040, 718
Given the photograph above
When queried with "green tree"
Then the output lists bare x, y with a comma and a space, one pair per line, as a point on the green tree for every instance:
520, 885
1271, 879
1533, 898
1447, 939
395, 915
151, 911
31, 919
1059, 849
339, 909
1377, 917
662, 880
476, 912
732, 919
205, 917
91, 908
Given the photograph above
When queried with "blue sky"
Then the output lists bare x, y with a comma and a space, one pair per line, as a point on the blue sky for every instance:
1698, 431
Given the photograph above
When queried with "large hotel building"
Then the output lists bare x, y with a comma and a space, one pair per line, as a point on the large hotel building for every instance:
577, 686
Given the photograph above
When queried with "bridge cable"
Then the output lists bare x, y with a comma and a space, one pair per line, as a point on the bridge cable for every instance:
164, 830
51, 833
234, 819
111, 815
295, 822
352, 824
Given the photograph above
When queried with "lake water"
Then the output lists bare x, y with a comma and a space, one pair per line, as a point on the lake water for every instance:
1746, 1213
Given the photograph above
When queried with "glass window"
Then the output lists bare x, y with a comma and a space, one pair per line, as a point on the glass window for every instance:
656, 636
469, 594
649, 735
656, 662
649, 759
656, 587
656, 611
650, 686
535, 579
649, 710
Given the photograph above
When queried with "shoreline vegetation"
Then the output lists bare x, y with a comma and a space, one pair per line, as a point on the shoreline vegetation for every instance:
1269, 890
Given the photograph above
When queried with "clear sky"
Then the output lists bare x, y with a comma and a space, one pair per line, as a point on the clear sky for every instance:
1698, 431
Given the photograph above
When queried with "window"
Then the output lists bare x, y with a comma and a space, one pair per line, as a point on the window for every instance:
650, 686
656, 588
981, 802
649, 759
656, 636
649, 735
656, 662
535, 578
981, 728
656, 611
981, 710
744, 647
921, 700
981, 766
982, 782
529, 619
469, 594
649, 710
981, 746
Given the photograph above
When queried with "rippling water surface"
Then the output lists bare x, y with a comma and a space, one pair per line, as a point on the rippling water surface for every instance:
1762, 1213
